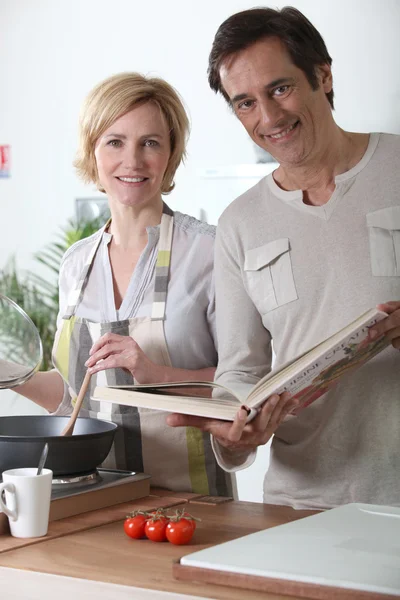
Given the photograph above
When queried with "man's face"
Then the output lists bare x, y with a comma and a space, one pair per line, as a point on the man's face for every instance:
275, 102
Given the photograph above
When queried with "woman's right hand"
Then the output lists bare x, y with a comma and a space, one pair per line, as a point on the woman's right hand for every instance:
113, 351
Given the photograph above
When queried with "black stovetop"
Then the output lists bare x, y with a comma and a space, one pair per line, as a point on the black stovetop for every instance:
106, 478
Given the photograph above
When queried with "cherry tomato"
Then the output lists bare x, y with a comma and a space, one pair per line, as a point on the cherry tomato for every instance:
155, 529
190, 519
134, 526
181, 531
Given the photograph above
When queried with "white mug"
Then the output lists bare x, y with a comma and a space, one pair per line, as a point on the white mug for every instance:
27, 502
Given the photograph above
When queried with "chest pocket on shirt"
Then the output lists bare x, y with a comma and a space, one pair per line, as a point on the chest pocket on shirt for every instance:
384, 241
268, 275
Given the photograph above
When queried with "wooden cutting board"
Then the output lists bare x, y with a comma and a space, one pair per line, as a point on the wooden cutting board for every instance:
96, 498
88, 520
351, 552
4, 528
294, 589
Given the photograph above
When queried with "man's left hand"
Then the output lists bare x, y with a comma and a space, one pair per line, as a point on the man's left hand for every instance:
390, 327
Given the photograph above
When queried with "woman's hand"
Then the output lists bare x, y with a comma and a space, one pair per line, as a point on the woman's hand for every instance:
114, 351
239, 437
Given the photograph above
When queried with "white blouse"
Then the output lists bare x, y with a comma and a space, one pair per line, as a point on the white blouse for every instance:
190, 307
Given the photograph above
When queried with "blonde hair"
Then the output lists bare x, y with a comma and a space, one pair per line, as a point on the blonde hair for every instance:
113, 98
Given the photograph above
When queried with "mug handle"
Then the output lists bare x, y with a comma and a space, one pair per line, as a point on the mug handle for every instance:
10, 487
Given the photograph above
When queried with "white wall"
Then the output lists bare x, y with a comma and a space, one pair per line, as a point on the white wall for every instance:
53, 51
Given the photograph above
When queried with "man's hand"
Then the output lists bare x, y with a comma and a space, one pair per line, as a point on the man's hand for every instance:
238, 436
390, 327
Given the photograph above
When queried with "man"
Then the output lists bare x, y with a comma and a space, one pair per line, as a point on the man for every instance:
299, 256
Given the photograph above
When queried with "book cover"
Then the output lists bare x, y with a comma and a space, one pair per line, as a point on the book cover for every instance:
315, 379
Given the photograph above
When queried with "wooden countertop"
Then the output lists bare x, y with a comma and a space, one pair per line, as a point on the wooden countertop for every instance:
105, 554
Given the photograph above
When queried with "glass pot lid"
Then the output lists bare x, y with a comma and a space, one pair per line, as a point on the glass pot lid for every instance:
21, 349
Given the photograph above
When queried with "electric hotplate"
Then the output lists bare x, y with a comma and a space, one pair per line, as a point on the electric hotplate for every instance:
71, 485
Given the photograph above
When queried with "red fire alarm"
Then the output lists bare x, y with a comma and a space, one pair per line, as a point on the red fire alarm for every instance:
4, 161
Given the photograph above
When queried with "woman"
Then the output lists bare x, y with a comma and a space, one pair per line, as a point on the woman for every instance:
137, 297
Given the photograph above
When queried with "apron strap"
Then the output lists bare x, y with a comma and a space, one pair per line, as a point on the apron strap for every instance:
162, 264
76, 295
161, 271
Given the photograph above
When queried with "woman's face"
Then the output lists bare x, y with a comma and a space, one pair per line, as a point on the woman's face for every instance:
132, 156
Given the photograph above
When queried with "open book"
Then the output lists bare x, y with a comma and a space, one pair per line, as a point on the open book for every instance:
307, 377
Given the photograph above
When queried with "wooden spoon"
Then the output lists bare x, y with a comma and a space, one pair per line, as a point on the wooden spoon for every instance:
69, 428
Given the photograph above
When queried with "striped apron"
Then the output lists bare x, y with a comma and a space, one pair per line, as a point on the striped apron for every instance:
180, 459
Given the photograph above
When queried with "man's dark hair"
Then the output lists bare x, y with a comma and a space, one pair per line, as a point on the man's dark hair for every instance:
304, 43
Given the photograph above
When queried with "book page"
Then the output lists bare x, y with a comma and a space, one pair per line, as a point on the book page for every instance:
217, 408
163, 388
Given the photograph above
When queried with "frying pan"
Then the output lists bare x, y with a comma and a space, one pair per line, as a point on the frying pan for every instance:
22, 439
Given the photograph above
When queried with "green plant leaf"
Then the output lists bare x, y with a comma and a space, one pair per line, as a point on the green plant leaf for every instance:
38, 295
